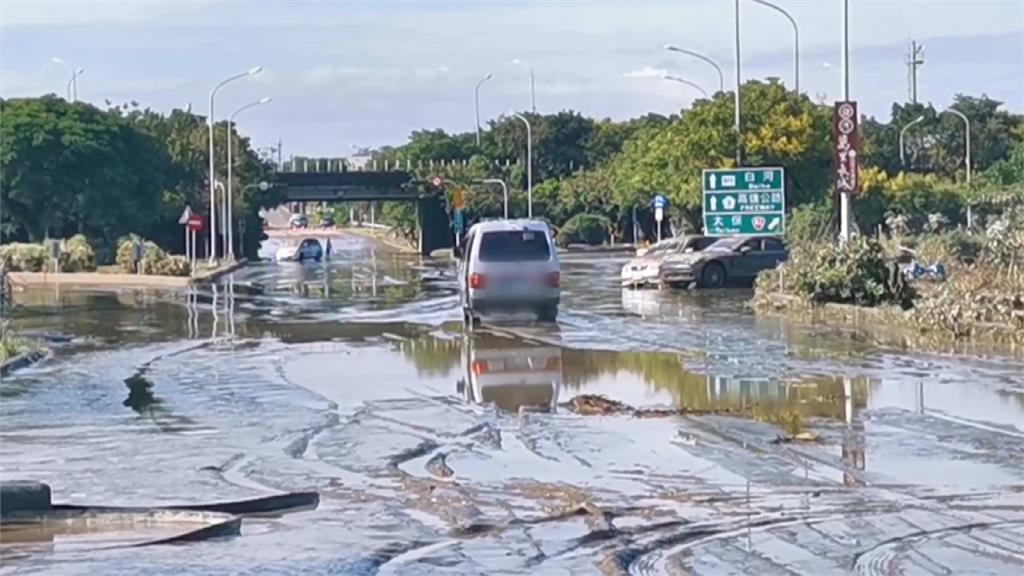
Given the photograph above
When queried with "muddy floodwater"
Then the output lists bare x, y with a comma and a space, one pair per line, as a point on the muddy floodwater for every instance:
748, 446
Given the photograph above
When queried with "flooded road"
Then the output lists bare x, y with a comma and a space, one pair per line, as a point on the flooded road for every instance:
749, 445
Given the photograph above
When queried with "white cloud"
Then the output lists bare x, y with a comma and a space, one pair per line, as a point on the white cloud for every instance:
646, 72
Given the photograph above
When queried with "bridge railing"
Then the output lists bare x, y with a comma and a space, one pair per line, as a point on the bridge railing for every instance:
332, 165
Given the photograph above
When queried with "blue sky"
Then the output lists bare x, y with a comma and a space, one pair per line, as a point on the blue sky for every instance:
368, 73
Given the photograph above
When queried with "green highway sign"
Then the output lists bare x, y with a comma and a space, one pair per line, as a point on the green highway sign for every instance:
747, 201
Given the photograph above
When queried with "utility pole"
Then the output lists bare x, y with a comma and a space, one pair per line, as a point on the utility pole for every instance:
280, 165
845, 215
914, 59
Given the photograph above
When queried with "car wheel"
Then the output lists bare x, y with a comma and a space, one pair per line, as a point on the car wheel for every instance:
547, 313
713, 276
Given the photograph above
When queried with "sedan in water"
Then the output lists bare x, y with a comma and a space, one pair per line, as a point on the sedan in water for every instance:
308, 249
732, 260
645, 270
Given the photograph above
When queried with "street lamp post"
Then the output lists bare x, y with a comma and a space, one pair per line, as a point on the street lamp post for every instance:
231, 197
796, 41
736, 107
721, 75
504, 190
533, 92
72, 88
967, 153
476, 99
903, 132
213, 199
529, 165
687, 82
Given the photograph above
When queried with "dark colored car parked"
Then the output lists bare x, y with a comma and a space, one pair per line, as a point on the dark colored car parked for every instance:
732, 260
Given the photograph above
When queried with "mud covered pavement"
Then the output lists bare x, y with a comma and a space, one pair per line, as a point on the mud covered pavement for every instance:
647, 433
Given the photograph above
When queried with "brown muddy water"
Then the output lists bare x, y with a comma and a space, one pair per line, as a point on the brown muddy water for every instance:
437, 450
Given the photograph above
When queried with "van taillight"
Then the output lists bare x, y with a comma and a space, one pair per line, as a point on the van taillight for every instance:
480, 367
554, 278
477, 281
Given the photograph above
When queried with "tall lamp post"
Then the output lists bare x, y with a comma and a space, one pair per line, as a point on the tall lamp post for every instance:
796, 41
721, 76
504, 190
903, 132
72, 88
736, 107
213, 193
967, 152
533, 92
687, 82
529, 165
476, 100
231, 198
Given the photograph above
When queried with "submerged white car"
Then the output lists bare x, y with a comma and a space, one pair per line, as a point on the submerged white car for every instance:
308, 249
508, 266
645, 270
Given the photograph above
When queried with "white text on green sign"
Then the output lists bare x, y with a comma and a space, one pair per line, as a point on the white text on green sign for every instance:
744, 179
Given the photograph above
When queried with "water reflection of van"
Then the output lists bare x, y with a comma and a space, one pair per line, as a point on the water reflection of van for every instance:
513, 378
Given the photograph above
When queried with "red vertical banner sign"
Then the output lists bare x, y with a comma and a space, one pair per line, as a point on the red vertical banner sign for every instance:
846, 147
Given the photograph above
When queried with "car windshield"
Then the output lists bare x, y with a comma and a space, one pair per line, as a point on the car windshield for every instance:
726, 244
664, 247
514, 246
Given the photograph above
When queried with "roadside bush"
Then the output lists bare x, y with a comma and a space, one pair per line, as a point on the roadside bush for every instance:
1004, 244
157, 262
175, 265
78, 255
810, 222
18, 257
982, 293
950, 247
592, 229
854, 273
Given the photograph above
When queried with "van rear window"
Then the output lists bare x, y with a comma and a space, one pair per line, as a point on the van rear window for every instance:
514, 246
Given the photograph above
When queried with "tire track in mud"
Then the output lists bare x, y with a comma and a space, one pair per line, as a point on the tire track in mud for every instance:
880, 558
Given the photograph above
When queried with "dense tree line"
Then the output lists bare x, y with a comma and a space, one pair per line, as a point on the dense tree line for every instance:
72, 168
582, 165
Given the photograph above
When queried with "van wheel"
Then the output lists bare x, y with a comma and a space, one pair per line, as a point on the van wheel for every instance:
548, 313
713, 276
469, 319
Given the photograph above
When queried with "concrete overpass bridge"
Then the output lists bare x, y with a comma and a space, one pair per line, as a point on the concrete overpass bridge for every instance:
433, 222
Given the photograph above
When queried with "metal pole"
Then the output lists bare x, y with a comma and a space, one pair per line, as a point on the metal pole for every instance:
74, 84
796, 41
687, 82
231, 197
223, 212
212, 178
739, 133
533, 94
844, 198
967, 158
476, 99
228, 224
529, 165
904, 131
504, 190
721, 75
